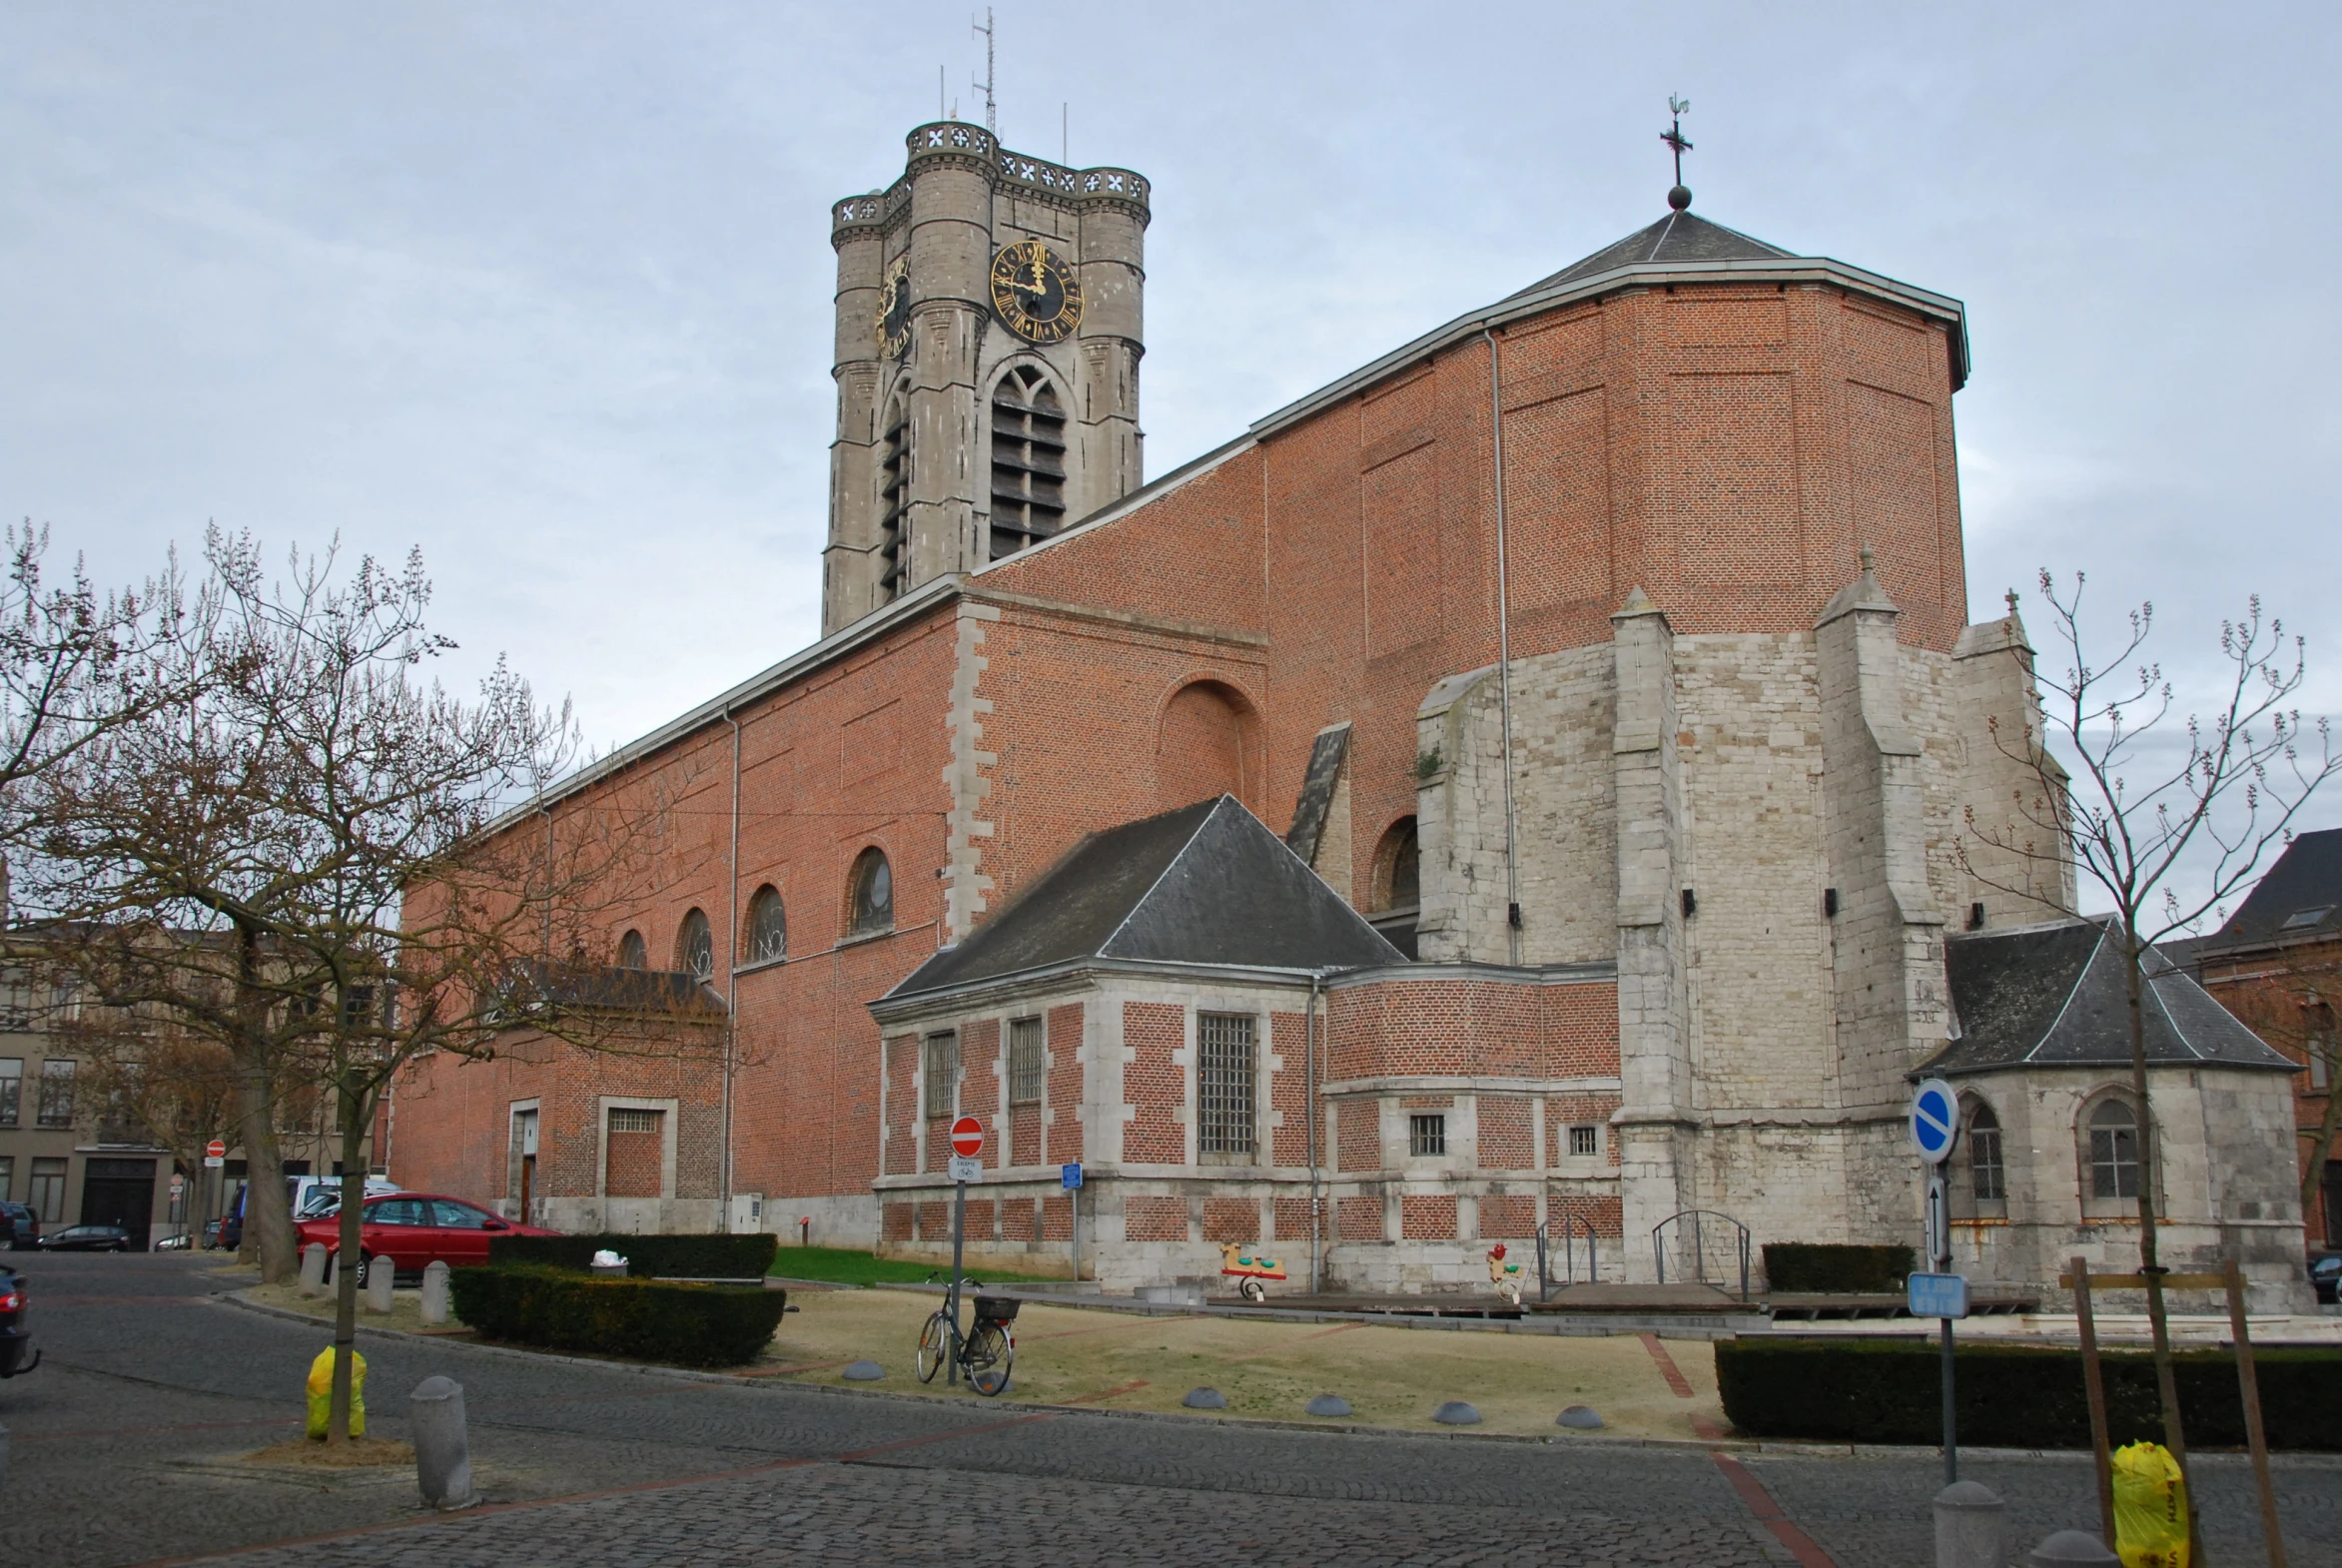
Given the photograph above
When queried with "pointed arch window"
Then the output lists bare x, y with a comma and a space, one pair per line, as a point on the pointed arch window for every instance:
1027, 460
873, 894
633, 951
894, 498
695, 947
1985, 1193
768, 927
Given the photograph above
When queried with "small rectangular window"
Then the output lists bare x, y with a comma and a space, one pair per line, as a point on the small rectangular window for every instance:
1427, 1135
16, 998
635, 1120
1984, 1154
7, 1178
1024, 1061
1223, 1083
11, 1089
1585, 1140
56, 1093
942, 1073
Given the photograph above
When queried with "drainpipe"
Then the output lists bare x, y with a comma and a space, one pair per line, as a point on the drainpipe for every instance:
1512, 880
1309, 1099
731, 981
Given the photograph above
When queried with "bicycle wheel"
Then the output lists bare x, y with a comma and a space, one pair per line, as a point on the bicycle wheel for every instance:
934, 1343
989, 1355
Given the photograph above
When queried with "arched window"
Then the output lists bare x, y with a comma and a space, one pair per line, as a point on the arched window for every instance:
767, 938
873, 894
695, 946
1027, 460
1986, 1190
633, 951
894, 494
2110, 1158
1397, 869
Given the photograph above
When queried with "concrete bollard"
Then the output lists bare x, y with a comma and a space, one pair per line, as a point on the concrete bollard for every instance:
443, 1448
434, 1292
2073, 1549
1971, 1527
334, 1273
313, 1268
381, 1277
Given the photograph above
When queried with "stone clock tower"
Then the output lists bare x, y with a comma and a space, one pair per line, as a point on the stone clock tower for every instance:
988, 333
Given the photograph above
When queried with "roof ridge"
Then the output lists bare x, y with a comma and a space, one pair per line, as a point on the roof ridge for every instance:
2079, 976
1140, 903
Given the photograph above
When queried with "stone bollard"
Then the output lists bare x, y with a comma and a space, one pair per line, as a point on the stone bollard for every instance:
1971, 1527
334, 1273
313, 1268
434, 1292
442, 1449
380, 1277
2073, 1549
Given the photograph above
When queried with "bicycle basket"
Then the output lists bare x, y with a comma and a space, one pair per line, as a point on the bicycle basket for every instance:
999, 1308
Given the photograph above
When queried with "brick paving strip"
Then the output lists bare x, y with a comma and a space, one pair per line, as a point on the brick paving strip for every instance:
1769, 1514
491, 1510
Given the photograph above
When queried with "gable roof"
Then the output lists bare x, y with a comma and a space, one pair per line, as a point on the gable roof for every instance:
2299, 897
1205, 884
2053, 996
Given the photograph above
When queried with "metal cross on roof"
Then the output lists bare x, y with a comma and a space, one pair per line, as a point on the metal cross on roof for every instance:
1673, 136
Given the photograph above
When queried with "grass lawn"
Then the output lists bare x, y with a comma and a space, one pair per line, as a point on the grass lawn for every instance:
850, 1267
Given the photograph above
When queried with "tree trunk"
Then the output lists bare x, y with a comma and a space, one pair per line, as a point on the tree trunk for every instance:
345, 1293
268, 1213
2166, 1380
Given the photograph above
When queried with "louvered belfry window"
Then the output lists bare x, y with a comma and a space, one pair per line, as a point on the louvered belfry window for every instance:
1028, 462
1223, 1083
894, 495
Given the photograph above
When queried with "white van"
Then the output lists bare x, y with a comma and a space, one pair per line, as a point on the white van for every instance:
315, 1195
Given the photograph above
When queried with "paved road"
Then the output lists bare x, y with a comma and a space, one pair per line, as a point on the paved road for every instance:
123, 1441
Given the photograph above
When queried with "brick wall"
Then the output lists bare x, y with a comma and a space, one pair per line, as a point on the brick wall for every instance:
1359, 1218
1153, 1085
1358, 1124
1066, 1087
1155, 1218
1427, 1216
1506, 1143
635, 1159
1232, 1220
981, 1091
1292, 1218
1508, 1217
1288, 1090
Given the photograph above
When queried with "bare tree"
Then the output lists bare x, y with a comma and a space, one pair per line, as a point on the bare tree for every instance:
299, 863
2165, 837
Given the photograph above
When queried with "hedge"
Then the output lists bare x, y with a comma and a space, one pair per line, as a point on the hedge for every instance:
640, 1319
1795, 1268
2016, 1397
648, 1256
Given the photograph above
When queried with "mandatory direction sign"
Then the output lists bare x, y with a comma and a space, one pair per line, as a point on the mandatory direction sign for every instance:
967, 1137
1935, 1119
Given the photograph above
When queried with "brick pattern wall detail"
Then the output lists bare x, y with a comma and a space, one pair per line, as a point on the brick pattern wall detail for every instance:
1508, 1217
635, 1160
1066, 1085
1153, 1083
1155, 1218
1506, 1143
1292, 1220
1427, 1216
1358, 1121
1232, 1220
1361, 1218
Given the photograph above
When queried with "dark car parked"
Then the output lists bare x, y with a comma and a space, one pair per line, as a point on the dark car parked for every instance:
15, 1337
19, 1227
86, 1239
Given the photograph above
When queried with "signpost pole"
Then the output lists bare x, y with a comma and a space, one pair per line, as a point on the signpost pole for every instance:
1935, 1128
1940, 1244
951, 1292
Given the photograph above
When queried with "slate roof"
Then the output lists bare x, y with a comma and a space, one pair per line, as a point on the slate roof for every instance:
1676, 238
2299, 897
2053, 996
1205, 884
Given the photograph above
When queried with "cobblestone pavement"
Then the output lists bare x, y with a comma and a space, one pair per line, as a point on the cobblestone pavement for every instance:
123, 1445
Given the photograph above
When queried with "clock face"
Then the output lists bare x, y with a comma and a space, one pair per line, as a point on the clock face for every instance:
1035, 292
894, 308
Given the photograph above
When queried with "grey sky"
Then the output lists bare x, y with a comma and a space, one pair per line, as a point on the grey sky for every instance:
545, 288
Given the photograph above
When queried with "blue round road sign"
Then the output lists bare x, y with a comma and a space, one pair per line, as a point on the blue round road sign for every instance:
1935, 1119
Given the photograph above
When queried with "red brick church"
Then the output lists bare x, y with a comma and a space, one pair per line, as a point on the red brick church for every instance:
1515, 785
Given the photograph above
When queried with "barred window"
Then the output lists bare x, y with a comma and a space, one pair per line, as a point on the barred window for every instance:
943, 1071
56, 1093
1585, 1140
1024, 1061
1427, 1135
635, 1120
2114, 1151
1984, 1156
1223, 1083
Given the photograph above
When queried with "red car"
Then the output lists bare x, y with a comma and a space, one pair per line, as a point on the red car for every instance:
412, 1230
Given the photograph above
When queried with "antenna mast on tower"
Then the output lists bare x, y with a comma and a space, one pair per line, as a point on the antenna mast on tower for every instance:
992, 118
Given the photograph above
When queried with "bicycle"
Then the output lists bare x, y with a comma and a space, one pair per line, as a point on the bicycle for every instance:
985, 1354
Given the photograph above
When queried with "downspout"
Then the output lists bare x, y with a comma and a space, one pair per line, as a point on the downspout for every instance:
1309, 1099
1512, 878
731, 981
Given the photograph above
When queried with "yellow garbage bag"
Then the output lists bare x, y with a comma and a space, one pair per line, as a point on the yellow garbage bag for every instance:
320, 1394
2151, 1508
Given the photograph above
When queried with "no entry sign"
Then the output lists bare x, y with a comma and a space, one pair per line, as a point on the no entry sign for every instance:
967, 1137
214, 1149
